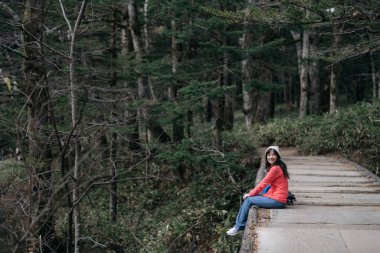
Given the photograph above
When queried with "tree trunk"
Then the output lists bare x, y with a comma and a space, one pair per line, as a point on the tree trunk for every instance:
219, 113
223, 100
374, 77
125, 34
245, 43
290, 103
143, 91
334, 70
75, 125
178, 117
228, 100
264, 99
113, 184
130, 116
304, 74
315, 95
146, 33
36, 89
114, 136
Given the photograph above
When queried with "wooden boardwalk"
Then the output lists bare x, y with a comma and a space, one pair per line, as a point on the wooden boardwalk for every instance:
337, 210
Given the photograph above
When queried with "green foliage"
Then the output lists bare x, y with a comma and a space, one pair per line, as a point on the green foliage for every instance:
184, 202
354, 131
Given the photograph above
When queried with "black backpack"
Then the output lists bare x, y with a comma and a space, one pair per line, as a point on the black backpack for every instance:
291, 198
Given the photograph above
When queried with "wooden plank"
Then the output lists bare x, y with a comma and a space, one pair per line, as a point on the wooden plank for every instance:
335, 189
332, 172
337, 202
354, 196
328, 216
330, 179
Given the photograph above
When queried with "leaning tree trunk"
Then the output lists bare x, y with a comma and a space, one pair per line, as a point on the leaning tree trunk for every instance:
35, 88
130, 115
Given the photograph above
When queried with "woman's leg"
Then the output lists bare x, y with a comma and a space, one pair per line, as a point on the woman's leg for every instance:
260, 201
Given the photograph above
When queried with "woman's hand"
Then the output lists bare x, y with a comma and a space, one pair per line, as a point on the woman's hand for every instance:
245, 196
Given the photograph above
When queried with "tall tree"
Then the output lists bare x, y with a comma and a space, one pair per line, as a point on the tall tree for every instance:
75, 120
36, 89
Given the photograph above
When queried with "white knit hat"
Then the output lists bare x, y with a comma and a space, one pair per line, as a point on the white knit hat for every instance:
275, 148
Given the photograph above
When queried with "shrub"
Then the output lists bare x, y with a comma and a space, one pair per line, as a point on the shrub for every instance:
354, 132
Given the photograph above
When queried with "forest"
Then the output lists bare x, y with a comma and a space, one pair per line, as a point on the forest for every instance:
133, 125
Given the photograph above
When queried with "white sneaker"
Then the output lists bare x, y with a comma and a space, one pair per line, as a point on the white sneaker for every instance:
233, 231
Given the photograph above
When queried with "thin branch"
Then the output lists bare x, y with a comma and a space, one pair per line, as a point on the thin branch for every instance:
14, 51
65, 16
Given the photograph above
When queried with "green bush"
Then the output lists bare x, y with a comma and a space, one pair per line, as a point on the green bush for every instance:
354, 132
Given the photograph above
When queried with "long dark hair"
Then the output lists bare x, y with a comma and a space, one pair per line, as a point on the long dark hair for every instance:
279, 162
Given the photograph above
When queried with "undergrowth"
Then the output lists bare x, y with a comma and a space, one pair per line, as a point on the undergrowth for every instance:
182, 200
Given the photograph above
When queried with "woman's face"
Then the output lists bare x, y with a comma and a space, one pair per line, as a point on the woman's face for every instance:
272, 157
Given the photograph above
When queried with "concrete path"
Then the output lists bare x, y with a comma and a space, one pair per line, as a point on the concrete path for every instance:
337, 210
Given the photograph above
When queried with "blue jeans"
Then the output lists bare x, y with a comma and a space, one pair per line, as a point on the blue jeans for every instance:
260, 201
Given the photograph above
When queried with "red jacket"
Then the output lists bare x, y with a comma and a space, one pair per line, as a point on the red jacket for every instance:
278, 185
